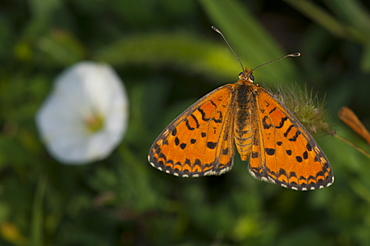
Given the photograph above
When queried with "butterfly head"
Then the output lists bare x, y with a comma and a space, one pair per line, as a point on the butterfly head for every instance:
247, 75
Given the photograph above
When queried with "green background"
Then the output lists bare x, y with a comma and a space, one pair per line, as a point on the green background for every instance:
167, 56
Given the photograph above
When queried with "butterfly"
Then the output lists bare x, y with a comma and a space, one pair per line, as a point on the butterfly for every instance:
200, 141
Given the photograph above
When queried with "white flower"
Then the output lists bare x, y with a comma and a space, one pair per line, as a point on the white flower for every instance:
85, 116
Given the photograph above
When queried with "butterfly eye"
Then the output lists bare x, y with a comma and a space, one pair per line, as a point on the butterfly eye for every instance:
241, 73
251, 77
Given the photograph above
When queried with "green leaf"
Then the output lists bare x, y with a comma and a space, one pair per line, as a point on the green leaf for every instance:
179, 50
60, 47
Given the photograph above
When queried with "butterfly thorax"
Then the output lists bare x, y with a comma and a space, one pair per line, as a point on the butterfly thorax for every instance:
244, 108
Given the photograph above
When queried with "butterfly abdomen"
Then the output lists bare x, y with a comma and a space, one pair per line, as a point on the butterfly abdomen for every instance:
243, 130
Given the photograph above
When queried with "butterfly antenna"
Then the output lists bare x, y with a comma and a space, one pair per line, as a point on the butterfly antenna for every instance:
219, 32
296, 54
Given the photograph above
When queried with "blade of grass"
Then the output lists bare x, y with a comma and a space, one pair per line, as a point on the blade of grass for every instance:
37, 214
352, 12
327, 21
319, 15
249, 39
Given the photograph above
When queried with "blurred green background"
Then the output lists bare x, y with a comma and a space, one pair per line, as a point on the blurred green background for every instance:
167, 56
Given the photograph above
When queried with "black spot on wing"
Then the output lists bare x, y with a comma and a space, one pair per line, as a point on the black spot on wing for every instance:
183, 145
265, 124
272, 110
203, 114
187, 123
292, 174
282, 172
270, 151
281, 124
211, 145
254, 155
294, 138
288, 130
308, 147
177, 141
218, 119
305, 155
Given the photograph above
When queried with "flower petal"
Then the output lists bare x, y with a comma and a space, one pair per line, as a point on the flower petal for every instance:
85, 91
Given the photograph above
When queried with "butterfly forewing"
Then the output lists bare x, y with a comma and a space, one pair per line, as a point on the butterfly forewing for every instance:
199, 141
283, 151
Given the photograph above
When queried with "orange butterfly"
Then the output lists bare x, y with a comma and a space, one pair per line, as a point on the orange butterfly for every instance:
200, 141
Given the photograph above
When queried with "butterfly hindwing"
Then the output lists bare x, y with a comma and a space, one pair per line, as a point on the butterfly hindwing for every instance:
199, 141
283, 152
